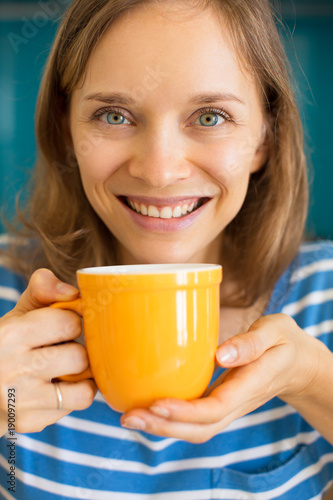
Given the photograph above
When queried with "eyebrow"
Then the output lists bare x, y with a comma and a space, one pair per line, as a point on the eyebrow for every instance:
212, 97
205, 98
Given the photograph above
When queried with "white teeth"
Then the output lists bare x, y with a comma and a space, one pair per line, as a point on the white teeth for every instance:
153, 211
165, 212
144, 209
177, 212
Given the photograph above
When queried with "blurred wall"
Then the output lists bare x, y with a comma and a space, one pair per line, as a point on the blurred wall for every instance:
27, 30
26, 33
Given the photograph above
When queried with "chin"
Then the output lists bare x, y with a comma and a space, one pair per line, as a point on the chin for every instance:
163, 257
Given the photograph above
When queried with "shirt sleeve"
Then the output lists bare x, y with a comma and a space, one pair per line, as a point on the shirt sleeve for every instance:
310, 297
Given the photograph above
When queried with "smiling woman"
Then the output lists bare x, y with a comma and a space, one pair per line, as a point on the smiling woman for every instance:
168, 133
201, 159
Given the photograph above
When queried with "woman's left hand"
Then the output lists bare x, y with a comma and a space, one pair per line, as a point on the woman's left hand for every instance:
273, 358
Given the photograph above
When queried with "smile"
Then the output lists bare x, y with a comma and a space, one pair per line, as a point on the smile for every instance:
181, 209
166, 215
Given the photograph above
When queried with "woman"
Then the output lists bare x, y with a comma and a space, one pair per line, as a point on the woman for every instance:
168, 132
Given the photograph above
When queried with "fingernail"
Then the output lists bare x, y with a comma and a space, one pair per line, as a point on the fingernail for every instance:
134, 423
227, 354
65, 289
160, 412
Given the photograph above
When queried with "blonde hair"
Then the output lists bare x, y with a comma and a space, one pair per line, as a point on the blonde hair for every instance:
263, 238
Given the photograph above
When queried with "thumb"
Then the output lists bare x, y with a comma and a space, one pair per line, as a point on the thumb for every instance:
43, 289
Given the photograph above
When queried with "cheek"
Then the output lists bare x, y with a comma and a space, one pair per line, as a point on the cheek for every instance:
97, 159
230, 163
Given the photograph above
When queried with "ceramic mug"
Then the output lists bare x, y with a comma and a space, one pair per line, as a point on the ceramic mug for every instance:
151, 331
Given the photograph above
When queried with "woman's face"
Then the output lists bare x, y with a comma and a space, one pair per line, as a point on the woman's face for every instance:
167, 128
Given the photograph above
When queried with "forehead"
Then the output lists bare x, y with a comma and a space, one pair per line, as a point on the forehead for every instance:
185, 48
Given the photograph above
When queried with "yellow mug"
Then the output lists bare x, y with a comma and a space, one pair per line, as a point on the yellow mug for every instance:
151, 331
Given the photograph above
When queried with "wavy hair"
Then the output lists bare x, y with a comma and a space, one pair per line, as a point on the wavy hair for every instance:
262, 239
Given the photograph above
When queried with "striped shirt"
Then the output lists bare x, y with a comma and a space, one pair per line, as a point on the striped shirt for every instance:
271, 453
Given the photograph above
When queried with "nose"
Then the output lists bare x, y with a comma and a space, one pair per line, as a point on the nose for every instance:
160, 157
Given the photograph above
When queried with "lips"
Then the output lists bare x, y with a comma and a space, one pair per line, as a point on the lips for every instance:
164, 209
160, 212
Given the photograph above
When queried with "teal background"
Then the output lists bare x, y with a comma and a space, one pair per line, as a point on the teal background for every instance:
309, 43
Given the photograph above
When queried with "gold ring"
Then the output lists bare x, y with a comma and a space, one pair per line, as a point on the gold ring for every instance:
59, 395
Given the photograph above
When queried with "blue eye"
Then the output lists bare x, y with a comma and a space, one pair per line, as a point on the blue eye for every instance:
115, 118
210, 119
111, 117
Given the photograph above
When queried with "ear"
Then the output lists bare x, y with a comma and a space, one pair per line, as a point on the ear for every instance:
263, 150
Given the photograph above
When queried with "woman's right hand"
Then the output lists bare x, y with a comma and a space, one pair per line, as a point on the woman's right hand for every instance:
30, 356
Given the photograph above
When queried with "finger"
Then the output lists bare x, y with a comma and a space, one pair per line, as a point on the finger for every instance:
43, 289
53, 362
247, 347
75, 396
208, 410
47, 326
191, 432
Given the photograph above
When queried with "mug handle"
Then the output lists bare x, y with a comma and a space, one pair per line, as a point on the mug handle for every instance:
73, 305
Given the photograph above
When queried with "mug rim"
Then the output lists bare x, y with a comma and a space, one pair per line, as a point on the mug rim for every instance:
148, 269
